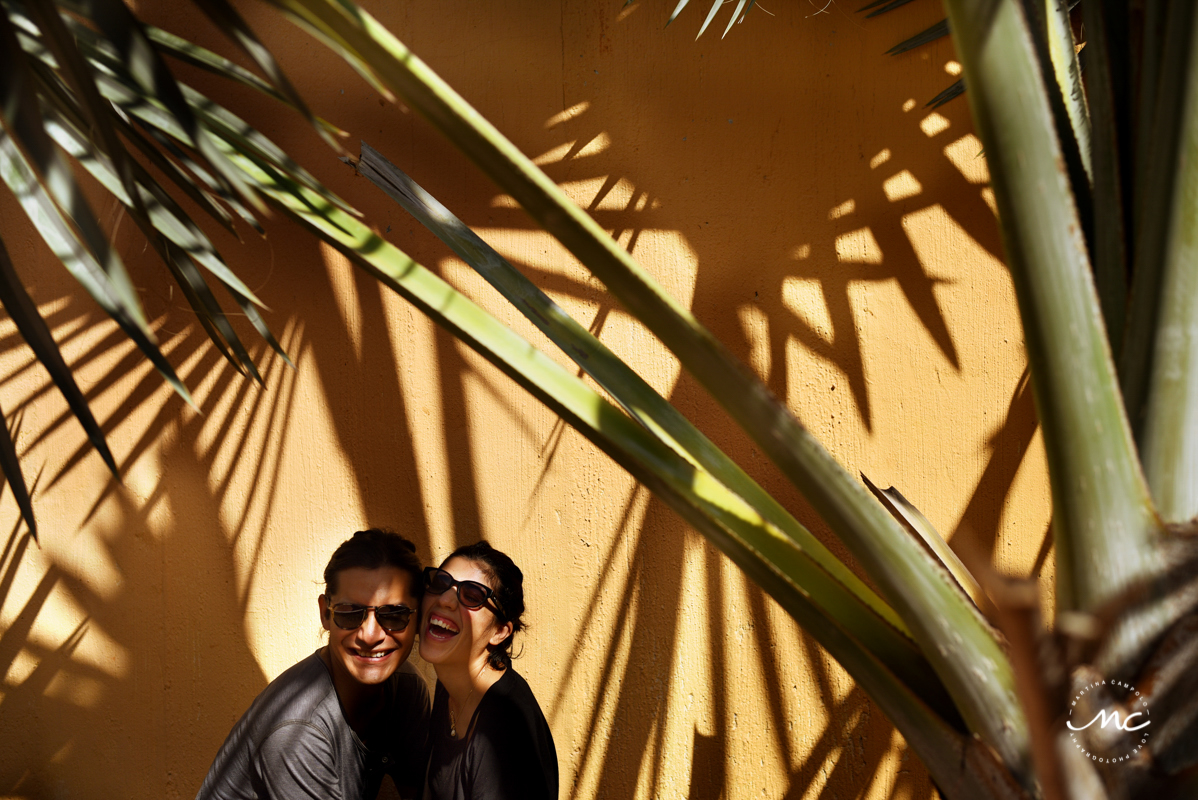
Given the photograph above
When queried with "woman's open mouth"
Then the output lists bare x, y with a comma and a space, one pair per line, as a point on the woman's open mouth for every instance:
440, 629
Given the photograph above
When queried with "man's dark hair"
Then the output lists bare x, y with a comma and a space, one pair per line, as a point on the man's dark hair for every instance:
373, 549
509, 591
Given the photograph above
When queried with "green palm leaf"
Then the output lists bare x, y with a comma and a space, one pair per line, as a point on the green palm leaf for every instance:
830, 585
947, 627
704, 502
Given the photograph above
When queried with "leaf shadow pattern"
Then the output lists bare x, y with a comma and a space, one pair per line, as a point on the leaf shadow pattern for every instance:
649, 664
136, 651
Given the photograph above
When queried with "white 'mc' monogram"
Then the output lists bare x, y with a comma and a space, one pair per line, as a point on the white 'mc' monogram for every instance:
1114, 717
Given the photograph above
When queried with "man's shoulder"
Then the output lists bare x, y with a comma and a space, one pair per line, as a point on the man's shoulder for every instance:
407, 680
302, 693
409, 695
290, 715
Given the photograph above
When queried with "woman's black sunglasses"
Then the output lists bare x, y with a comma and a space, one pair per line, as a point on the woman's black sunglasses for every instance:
471, 594
392, 619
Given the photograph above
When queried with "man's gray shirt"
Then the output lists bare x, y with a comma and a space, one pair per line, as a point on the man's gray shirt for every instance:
295, 743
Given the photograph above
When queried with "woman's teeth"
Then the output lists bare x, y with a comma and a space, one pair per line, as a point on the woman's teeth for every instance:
441, 627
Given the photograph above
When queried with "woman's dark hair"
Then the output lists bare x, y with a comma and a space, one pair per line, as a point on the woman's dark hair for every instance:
508, 587
374, 549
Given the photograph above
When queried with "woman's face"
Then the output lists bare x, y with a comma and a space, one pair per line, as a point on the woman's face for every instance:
450, 633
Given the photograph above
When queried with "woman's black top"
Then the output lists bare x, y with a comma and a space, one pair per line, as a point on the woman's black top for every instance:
508, 753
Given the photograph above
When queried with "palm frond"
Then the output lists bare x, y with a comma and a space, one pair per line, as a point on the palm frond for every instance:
948, 628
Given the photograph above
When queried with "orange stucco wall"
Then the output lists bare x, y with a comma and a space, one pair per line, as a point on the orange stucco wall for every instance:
786, 183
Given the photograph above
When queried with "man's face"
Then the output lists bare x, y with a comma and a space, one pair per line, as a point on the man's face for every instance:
368, 654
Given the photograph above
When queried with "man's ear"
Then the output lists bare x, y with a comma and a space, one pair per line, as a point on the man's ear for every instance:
326, 620
502, 631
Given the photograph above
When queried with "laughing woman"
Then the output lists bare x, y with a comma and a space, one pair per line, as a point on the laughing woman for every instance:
489, 738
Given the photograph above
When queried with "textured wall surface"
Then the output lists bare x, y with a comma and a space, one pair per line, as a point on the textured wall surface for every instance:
786, 183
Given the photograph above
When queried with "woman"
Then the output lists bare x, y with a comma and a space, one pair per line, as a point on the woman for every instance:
489, 738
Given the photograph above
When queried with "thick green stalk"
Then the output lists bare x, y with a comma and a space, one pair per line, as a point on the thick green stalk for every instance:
953, 636
1104, 524
1169, 439
1157, 172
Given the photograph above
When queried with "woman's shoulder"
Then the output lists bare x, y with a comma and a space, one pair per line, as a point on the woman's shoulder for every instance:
513, 745
512, 683
510, 708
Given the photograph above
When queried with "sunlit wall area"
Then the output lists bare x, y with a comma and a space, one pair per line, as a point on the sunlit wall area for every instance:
786, 182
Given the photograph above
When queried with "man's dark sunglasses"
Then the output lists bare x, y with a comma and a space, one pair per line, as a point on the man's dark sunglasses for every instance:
471, 594
392, 619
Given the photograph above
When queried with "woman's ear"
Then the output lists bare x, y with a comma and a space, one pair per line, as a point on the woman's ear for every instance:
502, 631
325, 617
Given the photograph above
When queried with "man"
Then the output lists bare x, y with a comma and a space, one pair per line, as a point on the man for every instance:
333, 724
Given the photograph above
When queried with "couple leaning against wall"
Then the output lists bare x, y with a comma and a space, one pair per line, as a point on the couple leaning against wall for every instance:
332, 725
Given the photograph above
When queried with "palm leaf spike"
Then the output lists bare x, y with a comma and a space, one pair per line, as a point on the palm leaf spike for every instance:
677, 10
123, 87
102, 274
690, 491
21, 117
227, 126
75, 70
202, 174
1062, 50
195, 290
737, 15
63, 242
937, 31
1105, 528
951, 93
145, 66
227, 18
201, 197
914, 521
893, 4
36, 333
949, 629
67, 127
715, 6
209, 313
166, 221
196, 56
11, 466
251, 313
191, 53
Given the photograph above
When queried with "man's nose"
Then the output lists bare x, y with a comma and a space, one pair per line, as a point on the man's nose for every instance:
370, 629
